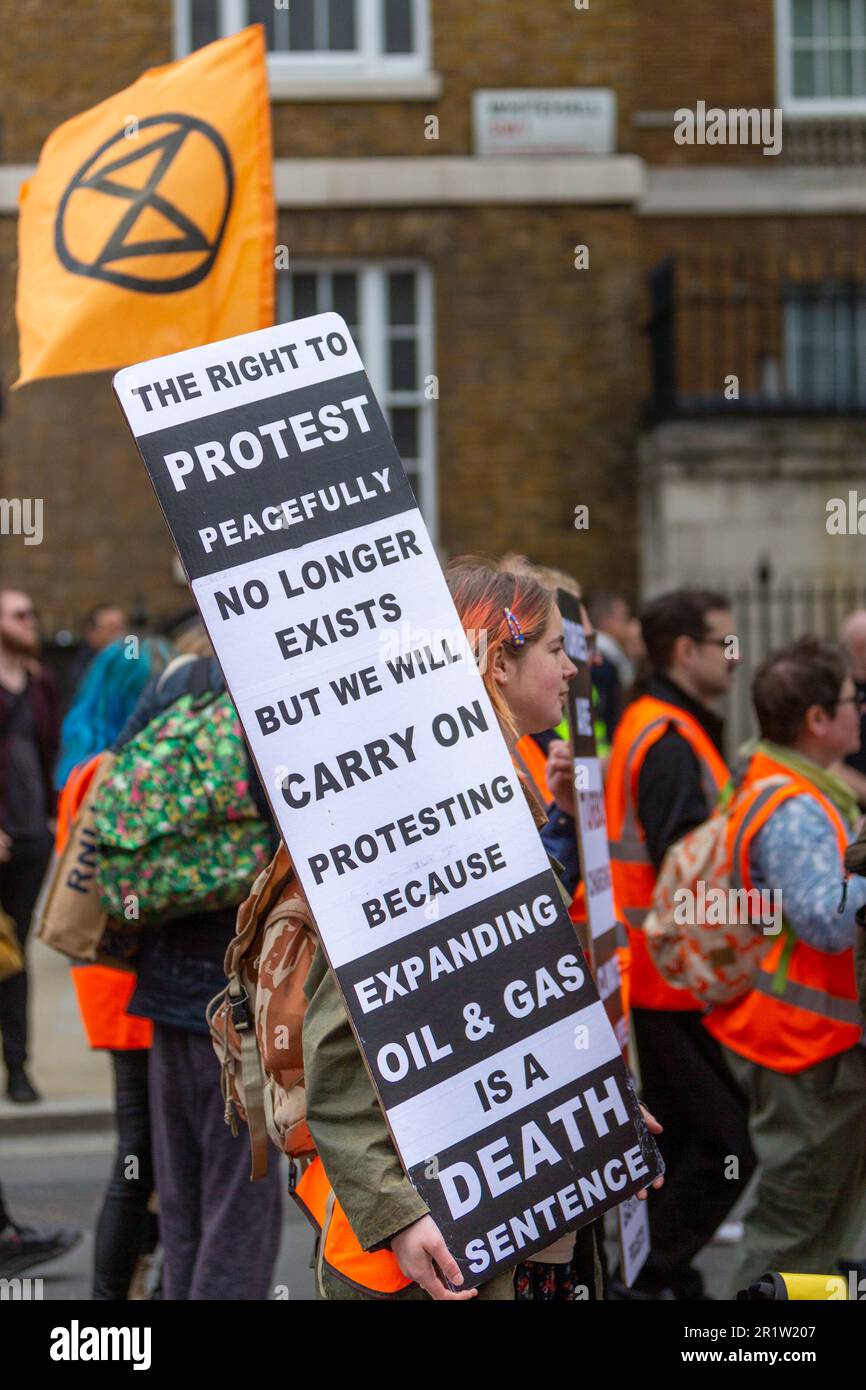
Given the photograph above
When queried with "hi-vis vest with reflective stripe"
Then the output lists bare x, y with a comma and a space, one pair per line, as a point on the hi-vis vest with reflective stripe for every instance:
376, 1272
803, 1008
632, 869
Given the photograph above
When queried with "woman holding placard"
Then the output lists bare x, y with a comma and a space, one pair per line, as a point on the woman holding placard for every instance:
513, 621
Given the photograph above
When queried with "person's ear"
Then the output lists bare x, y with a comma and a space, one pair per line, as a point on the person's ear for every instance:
682, 649
815, 721
500, 668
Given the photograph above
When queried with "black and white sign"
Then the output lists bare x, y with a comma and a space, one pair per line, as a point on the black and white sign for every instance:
498, 1072
604, 930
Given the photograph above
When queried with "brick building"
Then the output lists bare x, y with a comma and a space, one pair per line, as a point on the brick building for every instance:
696, 375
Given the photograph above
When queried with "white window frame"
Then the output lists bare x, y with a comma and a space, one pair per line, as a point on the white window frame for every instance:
827, 355
805, 106
373, 328
368, 73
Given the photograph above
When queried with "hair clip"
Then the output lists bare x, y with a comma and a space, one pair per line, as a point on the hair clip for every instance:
514, 628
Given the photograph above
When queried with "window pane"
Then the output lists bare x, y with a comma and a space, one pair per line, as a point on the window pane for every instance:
802, 18
844, 348
304, 297
804, 73
263, 12
840, 72
345, 298
402, 361
341, 25
203, 22
404, 427
839, 12
301, 30
398, 27
401, 297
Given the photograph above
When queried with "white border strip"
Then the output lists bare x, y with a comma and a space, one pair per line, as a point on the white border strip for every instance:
435, 181
696, 191
449, 1112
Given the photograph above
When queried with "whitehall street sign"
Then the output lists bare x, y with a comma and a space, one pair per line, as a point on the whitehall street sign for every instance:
553, 120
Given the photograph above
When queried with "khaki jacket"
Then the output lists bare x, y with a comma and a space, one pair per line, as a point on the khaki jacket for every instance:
346, 1120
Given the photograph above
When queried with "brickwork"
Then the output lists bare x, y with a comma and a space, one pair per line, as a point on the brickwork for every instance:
542, 367
721, 54
62, 58
536, 412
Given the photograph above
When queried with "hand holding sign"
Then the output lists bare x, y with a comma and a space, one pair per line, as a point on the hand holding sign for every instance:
560, 775
654, 1127
423, 1256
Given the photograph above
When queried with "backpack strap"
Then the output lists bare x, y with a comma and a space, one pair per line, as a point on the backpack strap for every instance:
255, 1105
251, 1074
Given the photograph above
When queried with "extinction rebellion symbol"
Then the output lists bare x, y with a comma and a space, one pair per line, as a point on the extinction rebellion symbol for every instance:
132, 215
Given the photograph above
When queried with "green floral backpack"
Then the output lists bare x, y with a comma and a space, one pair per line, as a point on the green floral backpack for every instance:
178, 830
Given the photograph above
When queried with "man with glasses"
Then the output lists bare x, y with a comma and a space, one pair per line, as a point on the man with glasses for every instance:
794, 1042
665, 774
28, 748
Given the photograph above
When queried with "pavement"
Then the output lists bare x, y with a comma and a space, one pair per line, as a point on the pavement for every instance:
74, 1081
60, 1182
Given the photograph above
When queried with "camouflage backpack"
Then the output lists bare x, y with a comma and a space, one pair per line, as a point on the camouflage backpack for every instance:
256, 1022
177, 827
716, 960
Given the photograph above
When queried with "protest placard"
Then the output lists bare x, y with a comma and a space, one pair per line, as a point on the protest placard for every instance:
499, 1075
603, 928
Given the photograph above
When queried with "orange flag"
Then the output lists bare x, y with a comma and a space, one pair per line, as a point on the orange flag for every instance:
149, 224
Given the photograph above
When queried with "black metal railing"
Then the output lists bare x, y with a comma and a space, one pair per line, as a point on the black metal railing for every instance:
736, 334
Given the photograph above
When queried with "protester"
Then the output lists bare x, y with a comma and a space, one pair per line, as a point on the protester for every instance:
109, 689
220, 1232
532, 751
102, 626
28, 745
613, 674
795, 1041
853, 768
126, 1228
666, 771
526, 673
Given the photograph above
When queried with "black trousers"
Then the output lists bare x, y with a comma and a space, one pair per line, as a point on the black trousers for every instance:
688, 1086
126, 1229
20, 881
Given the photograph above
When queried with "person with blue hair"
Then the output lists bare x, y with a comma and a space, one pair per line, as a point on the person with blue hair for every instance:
108, 692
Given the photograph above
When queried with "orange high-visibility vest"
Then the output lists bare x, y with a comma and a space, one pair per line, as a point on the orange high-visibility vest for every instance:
71, 797
375, 1272
535, 761
103, 992
803, 1008
634, 875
